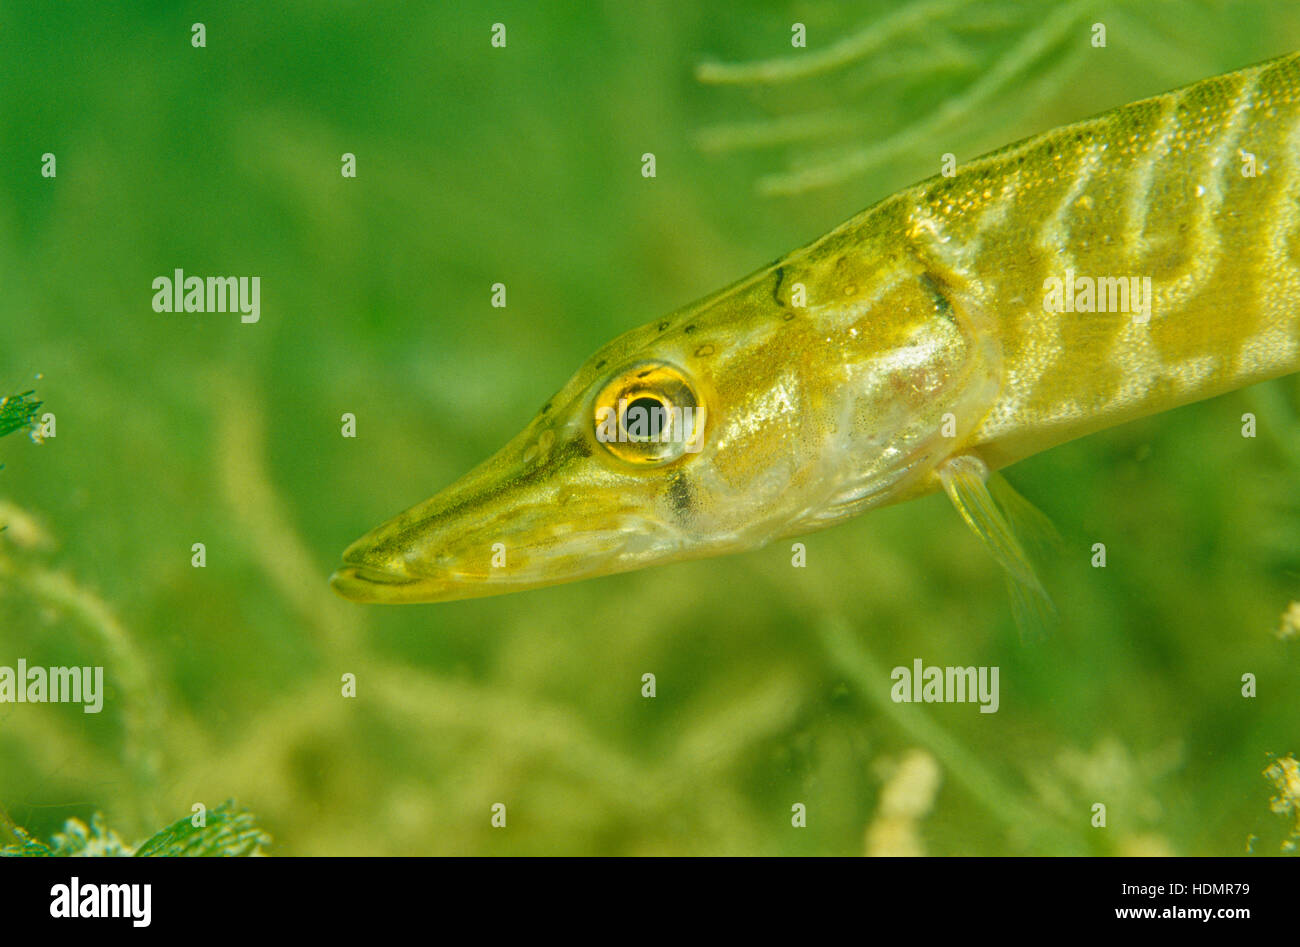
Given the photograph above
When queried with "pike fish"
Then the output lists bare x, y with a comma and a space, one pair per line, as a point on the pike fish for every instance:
1097, 273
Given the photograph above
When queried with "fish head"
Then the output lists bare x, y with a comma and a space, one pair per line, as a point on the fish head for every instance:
661, 447
744, 418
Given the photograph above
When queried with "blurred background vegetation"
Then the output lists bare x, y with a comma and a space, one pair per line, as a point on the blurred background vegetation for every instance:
522, 165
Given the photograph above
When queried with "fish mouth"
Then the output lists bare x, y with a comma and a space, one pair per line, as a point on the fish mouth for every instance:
372, 573
368, 584
510, 525
369, 576
378, 585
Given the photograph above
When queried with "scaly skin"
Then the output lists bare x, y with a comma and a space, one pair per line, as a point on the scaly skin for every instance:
903, 350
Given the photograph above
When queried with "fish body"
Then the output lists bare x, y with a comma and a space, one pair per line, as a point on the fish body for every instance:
1091, 275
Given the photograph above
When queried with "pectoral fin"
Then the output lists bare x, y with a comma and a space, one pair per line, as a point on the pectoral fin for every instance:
966, 480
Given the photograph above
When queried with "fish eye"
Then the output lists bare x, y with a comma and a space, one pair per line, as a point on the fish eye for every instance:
648, 415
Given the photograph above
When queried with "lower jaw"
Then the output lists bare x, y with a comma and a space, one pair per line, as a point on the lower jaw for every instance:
365, 585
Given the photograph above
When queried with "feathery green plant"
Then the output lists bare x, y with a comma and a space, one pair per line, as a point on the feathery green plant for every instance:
226, 831
18, 412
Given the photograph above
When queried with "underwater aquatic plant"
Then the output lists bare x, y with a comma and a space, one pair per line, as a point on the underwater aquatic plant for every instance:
17, 412
226, 830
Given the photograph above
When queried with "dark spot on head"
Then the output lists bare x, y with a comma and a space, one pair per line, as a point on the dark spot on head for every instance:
577, 446
546, 407
648, 371
689, 329
788, 316
704, 351
679, 495
936, 291
600, 364
663, 325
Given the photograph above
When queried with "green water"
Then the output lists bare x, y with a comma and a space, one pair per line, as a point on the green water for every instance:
522, 165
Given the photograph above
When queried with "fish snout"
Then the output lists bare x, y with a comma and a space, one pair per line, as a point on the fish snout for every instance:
373, 571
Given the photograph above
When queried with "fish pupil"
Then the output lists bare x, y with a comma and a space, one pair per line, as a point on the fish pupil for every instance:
648, 415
